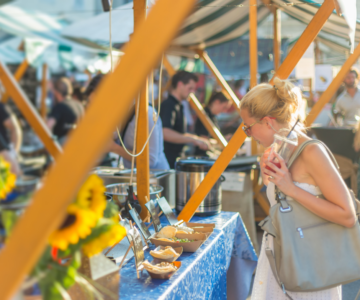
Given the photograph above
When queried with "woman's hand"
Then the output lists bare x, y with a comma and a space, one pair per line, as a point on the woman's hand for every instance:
281, 177
263, 160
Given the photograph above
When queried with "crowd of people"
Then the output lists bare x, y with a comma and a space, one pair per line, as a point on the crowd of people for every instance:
171, 131
170, 134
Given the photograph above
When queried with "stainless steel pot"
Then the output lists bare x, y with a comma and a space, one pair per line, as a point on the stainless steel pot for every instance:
190, 172
164, 178
119, 191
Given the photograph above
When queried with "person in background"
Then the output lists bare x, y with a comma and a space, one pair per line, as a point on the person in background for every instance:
113, 147
240, 88
217, 104
157, 159
348, 103
78, 94
9, 156
66, 112
10, 129
172, 115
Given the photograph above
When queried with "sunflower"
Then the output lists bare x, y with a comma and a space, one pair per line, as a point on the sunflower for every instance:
7, 179
77, 224
113, 235
91, 195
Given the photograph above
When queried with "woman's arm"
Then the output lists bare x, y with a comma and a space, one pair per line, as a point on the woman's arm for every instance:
338, 207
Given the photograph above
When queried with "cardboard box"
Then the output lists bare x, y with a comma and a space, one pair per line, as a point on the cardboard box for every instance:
177, 264
187, 247
178, 250
205, 225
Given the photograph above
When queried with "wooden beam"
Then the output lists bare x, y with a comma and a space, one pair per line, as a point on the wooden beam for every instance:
49, 204
171, 71
28, 111
228, 92
43, 91
277, 38
18, 75
204, 118
239, 136
333, 87
142, 161
213, 175
305, 40
168, 66
253, 47
253, 55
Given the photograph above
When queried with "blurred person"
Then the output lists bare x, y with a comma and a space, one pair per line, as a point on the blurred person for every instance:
173, 119
66, 112
10, 129
9, 156
264, 78
240, 88
348, 103
157, 159
217, 104
78, 94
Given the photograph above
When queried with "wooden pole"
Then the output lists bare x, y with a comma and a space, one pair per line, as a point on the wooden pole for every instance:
169, 68
18, 75
277, 38
204, 118
253, 53
228, 92
43, 216
171, 71
305, 40
43, 91
333, 87
142, 161
253, 47
28, 111
239, 137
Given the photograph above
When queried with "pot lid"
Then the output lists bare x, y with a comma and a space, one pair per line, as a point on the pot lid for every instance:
194, 164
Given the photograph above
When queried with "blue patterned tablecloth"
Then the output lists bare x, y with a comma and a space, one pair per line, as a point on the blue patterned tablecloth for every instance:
203, 274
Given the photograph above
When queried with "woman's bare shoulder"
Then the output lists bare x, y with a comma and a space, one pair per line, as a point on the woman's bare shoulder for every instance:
315, 155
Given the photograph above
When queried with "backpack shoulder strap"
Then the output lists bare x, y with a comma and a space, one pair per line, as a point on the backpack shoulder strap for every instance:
302, 147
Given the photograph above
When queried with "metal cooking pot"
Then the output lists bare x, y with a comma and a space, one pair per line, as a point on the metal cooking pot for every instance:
189, 174
118, 192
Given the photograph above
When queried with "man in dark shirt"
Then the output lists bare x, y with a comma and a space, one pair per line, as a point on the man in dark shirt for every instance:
217, 104
66, 112
10, 131
172, 116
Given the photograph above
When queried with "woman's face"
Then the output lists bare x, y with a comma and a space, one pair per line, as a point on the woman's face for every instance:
260, 131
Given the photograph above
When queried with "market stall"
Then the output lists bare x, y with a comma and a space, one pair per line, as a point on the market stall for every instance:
204, 274
228, 241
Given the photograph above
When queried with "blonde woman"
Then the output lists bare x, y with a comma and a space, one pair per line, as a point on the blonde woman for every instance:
265, 110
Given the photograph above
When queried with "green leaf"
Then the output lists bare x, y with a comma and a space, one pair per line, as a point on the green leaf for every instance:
111, 210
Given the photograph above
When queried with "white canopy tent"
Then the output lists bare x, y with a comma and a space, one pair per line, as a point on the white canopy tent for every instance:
214, 22
42, 42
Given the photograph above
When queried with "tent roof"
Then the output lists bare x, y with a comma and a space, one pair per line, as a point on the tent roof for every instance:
9, 53
42, 38
213, 22
37, 25
335, 25
232, 58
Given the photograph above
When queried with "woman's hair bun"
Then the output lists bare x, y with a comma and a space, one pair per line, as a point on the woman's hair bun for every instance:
280, 100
